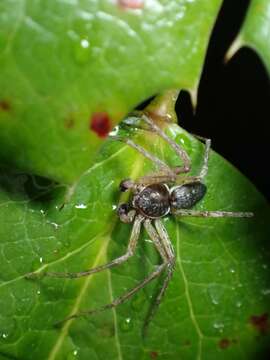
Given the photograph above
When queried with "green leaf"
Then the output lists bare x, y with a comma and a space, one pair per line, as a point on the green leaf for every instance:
255, 31
63, 61
216, 306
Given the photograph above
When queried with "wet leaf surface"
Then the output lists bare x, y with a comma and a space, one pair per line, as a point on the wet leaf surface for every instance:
216, 307
70, 70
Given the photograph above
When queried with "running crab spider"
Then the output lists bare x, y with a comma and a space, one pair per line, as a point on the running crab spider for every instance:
169, 191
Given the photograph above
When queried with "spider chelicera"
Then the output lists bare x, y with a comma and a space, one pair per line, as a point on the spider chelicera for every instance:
154, 196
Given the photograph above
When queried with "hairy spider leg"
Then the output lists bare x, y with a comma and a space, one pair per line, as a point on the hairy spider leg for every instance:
177, 148
121, 299
204, 169
169, 251
213, 214
167, 173
145, 153
135, 232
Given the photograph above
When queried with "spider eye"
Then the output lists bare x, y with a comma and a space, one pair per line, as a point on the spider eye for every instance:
125, 185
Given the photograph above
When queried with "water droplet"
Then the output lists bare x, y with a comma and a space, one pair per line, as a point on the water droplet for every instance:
81, 206
38, 292
126, 324
114, 207
214, 295
36, 264
183, 140
265, 291
73, 355
82, 50
238, 304
232, 271
8, 329
218, 326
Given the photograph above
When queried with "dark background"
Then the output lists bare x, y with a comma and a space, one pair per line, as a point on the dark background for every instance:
233, 101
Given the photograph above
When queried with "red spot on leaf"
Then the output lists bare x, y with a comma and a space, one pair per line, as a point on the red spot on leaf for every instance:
5, 105
100, 123
153, 355
131, 4
260, 322
224, 343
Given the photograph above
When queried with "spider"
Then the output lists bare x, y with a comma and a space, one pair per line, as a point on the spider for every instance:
165, 192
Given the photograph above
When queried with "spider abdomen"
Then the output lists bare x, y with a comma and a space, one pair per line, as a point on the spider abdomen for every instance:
153, 201
186, 196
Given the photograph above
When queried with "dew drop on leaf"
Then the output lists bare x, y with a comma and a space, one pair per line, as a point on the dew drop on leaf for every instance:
126, 324
73, 355
183, 140
36, 264
265, 292
238, 304
218, 326
214, 294
8, 330
82, 50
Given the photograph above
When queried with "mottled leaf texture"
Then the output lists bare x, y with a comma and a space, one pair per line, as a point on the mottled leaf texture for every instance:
216, 307
71, 69
255, 32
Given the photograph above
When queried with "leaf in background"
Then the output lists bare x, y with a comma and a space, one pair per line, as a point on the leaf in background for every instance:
255, 31
68, 64
216, 307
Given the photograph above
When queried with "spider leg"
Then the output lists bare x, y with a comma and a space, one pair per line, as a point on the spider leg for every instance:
160, 164
177, 148
130, 251
167, 174
204, 168
213, 214
167, 246
121, 299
